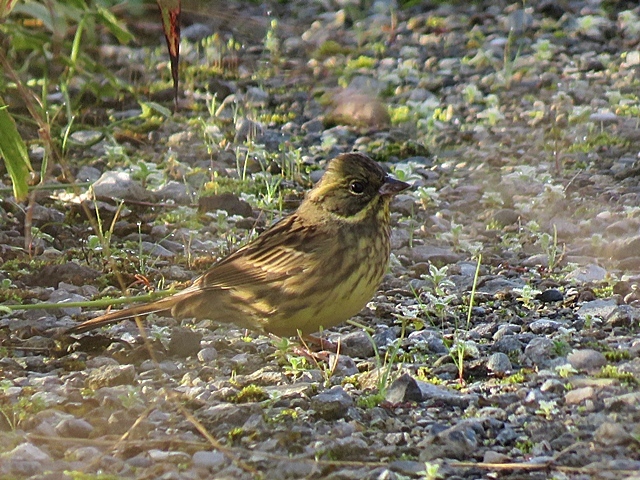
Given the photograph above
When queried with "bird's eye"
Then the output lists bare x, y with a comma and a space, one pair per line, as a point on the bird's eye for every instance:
356, 187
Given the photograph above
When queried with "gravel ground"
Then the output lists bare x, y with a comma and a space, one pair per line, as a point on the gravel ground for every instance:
518, 127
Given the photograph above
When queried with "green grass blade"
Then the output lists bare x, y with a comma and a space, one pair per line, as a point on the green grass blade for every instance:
14, 152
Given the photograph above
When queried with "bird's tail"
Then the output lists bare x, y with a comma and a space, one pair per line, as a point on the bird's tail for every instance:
163, 305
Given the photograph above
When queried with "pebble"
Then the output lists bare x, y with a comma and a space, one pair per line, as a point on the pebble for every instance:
110, 376
579, 395
586, 360
120, 185
499, 363
403, 389
332, 404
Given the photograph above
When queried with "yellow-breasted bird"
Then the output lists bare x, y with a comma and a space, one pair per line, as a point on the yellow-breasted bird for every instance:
313, 269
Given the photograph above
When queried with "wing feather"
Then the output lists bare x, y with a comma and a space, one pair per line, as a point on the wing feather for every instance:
285, 250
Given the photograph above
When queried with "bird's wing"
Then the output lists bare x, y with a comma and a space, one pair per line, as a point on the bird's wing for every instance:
286, 249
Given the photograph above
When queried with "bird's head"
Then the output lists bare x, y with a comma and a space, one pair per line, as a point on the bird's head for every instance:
352, 185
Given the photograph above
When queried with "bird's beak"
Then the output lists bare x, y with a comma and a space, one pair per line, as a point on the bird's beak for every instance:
391, 186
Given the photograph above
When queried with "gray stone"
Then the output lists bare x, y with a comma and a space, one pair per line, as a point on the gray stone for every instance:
356, 344
342, 365
209, 459
613, 434
544, 325
457, 442
332, 404
586, 359
429, 339
176, 191
74, 428
588, 273
111, 375
430, 253
404, 389
540, 351
155, 250
499, 363
184, 342
207, 354
579, 395
597, 308
624, 316
505, 217
120, 185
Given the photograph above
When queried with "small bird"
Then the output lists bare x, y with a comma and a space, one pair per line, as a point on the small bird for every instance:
310, 271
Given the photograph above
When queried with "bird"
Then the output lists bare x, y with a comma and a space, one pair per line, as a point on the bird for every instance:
309, 271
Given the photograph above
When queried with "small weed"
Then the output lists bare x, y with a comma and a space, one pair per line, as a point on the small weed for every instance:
617, 355
363, 62
611, 371
250, 393
235, 434
515, 379
561, 348
547, 409
430, 471
284, 416
525, 446
527, 295
566, 370
371, 400
16, 413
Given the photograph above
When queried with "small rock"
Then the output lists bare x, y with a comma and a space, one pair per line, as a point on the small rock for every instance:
209, 459
551, 295
342, 365
120, 185
495, 457
597, 308
505, 217
429, 339
613, 434
332, 404
111, 375
175, 191
184, 342
207, 354
74, 428
404, 389
508, 344
586, 360
156, 250
88, 174
579, 395
499, 363
552, 385
544, 326
624, 316
356, 344
70, 272
358, 109
225, 201
430, 253
457, 442
604, 117
540, 351
588, 273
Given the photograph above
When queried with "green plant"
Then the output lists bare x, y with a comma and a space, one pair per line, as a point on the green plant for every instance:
527, 295
566, 370
547, 408
370, 400
17, 412
250, 393
612, 371
431, 471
